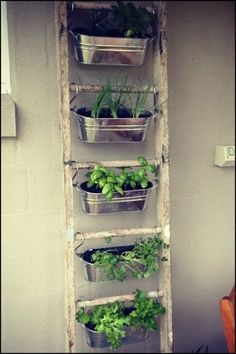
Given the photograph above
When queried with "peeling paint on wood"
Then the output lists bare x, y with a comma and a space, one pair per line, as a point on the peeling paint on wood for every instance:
111, 299
64, 113
117, 233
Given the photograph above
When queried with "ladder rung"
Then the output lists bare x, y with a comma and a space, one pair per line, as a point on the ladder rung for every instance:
124, 163
97, 88
117, 233
111, 299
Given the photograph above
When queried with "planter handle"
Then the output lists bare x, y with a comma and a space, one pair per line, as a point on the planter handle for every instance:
79, 245
72, 109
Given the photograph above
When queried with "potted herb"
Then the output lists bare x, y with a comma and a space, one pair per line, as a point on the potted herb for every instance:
118, 36
107, 191
115, 324
117, 263
115, 117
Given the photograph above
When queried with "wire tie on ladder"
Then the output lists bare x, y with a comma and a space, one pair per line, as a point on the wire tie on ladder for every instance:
76, 92
81, 243
81, 301
77, 170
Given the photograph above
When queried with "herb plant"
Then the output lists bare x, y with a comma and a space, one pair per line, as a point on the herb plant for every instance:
110, 182
112, 319
117, 99
132, 21
139, 100
141, 260
100, 101
97, 22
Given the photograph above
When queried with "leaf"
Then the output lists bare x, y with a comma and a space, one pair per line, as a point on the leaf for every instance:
142, 161
107, 187
109, 195
119, 190
144, 183
101, 182
151, 168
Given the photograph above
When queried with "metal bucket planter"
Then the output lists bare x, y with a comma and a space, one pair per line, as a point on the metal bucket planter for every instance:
95, 273
131, 201
98, 50
113, 130
99, 340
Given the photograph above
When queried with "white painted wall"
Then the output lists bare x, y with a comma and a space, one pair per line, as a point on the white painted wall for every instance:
201, 112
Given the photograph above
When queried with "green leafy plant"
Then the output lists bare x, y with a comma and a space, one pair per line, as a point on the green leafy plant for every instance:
132, 21
110, 182
112, 319
141, 260
98, 22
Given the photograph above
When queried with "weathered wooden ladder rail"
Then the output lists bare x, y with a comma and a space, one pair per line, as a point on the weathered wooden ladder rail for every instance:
111, 299
117, 233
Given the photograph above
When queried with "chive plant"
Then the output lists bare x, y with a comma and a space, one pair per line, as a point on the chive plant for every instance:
139, 100
118, 99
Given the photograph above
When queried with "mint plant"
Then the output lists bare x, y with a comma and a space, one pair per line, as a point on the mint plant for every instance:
141, 260
112, 319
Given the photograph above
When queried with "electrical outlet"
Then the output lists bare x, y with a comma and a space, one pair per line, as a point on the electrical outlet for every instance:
225, 156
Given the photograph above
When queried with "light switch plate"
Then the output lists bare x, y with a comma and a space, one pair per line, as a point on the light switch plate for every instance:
225, 155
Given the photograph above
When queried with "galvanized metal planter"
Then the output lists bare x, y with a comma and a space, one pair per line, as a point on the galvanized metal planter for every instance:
99, 340
95, 273
97, 50
131, 201
113, 130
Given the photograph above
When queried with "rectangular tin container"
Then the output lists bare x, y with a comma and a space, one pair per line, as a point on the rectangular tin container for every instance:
99, 340
95, 50
95, 273
113, 130
130, 201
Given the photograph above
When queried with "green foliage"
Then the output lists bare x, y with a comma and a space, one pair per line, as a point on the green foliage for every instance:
114, 100
145, 312
112, 319
97, 22
141, 260
132, 21
100, 101
117, 99
110, 182
138, 100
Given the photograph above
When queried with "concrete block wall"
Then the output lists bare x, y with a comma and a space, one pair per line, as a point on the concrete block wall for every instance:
33, 318
201, 72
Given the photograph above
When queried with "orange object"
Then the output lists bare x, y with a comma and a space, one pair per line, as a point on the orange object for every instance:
227, 312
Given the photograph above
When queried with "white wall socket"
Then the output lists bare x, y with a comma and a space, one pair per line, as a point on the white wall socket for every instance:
225, 155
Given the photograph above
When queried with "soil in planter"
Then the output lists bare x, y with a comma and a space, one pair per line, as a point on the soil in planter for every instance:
96, 189
122, 112
87, 256
115, 33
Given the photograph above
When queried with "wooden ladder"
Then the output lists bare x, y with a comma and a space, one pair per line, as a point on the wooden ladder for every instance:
69, 167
